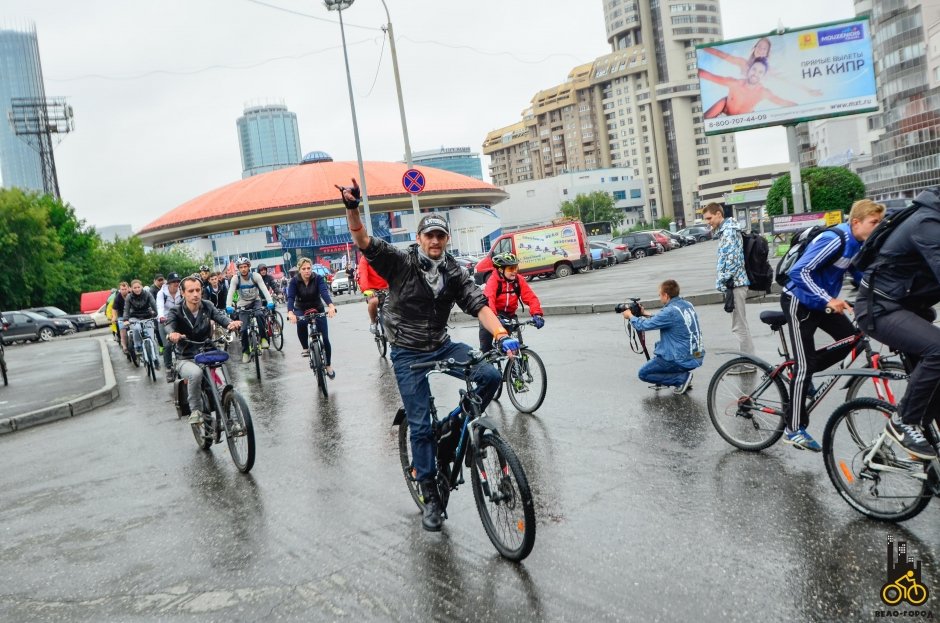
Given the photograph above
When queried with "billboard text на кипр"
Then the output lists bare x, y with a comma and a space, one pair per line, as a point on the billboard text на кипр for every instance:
809, 73
545, 247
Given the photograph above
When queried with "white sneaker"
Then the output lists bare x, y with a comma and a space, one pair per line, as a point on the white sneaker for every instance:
195, 417
686, 386
246, 357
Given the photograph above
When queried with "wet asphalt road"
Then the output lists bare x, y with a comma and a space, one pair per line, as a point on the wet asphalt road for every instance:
644, 513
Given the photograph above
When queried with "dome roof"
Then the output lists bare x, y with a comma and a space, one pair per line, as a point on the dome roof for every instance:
307, 192
316, 156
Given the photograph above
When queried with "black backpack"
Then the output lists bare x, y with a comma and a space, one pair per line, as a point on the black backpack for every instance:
759, 271
799, 242
867, 255
516, 288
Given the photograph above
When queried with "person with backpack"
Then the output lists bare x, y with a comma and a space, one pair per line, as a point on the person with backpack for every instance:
810, 301
899, 287
732, 275
505, 290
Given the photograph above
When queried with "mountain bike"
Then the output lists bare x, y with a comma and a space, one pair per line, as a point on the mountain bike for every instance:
467, 436
748, 397
274, 328
523, 374
144, 345
315, 350
230, 413
381, 341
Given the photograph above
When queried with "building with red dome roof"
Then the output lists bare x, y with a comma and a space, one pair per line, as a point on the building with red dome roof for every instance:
275, 217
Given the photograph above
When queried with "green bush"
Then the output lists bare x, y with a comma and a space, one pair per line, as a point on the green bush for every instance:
830, 188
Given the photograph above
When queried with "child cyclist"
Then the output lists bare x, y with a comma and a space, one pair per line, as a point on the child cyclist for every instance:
504, 290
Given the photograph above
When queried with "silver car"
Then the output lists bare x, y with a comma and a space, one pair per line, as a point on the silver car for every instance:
619, 250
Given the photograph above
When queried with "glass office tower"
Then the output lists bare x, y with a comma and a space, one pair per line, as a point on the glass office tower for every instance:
268, 137
20, 76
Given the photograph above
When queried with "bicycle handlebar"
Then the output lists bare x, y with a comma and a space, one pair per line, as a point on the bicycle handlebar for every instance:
315, 315
444, 365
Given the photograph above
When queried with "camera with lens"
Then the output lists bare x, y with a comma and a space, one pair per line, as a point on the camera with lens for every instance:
633, 306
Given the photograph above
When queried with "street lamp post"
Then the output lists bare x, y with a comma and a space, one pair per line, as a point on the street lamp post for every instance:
401, 110
339, 6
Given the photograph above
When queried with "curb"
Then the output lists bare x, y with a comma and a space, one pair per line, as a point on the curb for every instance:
78, 406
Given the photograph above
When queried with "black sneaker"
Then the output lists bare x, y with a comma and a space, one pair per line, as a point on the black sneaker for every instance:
910, 437
431, 519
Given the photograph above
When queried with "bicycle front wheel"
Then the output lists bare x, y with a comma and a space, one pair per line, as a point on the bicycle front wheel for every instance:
526, 381
239, 431
746, 405
255, 347
890, 486
381, 342
869, 387
407, 467
277, 330
503, 497
316, 355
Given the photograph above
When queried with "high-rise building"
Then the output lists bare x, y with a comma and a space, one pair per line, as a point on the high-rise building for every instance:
906, 46
457, 159
637, 107
668, 147
268, 137
20, 76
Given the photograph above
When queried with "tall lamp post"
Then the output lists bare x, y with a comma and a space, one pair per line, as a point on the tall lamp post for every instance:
401, 110
339, 6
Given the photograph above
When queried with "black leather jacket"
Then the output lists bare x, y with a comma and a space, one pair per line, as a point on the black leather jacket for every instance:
414, 317
195, 327
141, 306
907, 271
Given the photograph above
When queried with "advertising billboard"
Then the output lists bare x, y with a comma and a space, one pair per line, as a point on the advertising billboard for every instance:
810, 73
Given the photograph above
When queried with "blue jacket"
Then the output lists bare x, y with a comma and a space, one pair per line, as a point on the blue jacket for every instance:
730, 256
815, 279
679, 332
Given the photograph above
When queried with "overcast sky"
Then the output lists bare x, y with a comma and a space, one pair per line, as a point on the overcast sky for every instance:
157, 86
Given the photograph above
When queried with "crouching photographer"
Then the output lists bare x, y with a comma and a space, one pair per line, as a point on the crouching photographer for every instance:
680, 349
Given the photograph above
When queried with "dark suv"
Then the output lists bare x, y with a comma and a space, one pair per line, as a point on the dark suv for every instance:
82, 322
640, 243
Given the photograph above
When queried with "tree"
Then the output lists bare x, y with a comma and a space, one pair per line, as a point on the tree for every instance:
830, 188
30, 253
597, 206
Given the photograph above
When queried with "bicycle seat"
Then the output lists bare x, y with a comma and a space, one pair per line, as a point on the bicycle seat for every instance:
211, 357
775, 319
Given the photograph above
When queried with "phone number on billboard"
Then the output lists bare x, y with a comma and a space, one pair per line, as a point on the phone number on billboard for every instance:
721, 123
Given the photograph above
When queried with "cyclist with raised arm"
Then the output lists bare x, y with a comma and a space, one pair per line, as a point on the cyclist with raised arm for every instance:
895, 306
369, 283
139, 304
504, 291
811, 301
307, 291
251, 289
424, 285
191, 321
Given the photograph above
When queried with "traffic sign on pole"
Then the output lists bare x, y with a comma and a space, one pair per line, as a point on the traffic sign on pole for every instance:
413, 181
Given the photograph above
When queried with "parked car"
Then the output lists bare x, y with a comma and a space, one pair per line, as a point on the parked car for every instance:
82, 322
667, 243
467, 262
101, 317
601, 255
640, 243
340, 282
26, 325
680, 241
700, 232
619, 252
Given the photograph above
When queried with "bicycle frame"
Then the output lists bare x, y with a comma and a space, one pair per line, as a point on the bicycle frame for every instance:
138, 331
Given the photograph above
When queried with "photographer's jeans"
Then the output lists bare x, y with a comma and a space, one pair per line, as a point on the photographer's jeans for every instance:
661, 372
416, 395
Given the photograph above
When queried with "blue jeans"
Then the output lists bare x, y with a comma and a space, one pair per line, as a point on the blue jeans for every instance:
416, 396
303, 334
661, 372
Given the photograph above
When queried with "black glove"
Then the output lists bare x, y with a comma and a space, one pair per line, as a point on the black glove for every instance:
354, 191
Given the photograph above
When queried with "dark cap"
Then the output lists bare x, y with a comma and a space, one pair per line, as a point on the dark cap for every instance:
433, 222
173, 277
158, 277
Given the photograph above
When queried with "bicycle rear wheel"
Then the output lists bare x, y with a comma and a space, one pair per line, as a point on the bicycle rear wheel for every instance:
851, 433
746, 405
526, 381
381, 342
503, 497
239, 431
407, 467
865, 387
132, 353
316, 356
277, 330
